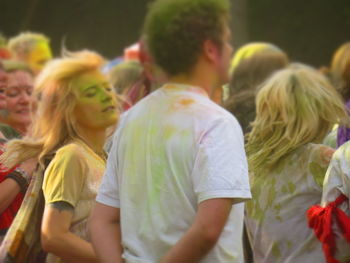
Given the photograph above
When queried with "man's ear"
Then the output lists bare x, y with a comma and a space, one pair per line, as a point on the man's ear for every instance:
210, 50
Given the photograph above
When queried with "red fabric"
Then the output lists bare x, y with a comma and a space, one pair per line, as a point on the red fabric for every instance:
4, 54
320, 219
139, 90
7, 216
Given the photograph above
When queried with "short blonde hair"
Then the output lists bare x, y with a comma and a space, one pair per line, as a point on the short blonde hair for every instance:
22, 44
54, 124
295, 106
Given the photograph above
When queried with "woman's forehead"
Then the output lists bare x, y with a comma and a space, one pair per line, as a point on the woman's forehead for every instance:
19, 78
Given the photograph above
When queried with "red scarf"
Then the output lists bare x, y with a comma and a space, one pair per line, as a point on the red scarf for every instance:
320, 219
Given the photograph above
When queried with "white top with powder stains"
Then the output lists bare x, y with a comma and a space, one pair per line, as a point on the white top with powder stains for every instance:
337, 182
276, 217
173, 150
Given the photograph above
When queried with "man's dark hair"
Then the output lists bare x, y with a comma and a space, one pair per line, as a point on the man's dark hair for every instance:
176, 29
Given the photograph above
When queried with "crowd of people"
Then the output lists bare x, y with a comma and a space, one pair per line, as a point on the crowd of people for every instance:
181, 150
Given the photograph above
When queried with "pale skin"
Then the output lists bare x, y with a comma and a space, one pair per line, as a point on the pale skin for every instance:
56, 237
107, 239
210, 73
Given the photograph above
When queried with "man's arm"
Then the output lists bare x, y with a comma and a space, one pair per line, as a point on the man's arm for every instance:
105, 233
203, 234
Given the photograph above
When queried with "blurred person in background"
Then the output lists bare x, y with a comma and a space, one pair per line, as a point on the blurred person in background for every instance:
31, 48
251, 65
4, 52
339, 74
18, 98
13, 182
128, 81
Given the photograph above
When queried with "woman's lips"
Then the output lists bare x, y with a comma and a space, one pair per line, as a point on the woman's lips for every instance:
108, 108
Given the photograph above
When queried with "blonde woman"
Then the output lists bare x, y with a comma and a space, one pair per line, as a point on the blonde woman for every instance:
75, 109
296, 108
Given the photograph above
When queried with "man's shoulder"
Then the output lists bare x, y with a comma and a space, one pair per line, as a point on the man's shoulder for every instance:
215, 113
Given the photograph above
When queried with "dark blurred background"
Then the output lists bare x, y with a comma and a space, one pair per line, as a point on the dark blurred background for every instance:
309, 30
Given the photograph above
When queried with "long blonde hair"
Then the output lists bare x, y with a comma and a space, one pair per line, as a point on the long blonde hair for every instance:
54, 124
295, 106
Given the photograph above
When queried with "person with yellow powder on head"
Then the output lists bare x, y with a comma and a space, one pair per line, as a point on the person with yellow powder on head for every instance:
251, 65
296, 108
31, 48
76, 106
177, 177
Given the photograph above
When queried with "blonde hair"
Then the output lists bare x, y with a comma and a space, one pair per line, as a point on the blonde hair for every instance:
22, 44
340, 70
54, 124
295, 106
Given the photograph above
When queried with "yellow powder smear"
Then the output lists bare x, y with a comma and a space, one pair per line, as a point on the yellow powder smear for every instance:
186, 102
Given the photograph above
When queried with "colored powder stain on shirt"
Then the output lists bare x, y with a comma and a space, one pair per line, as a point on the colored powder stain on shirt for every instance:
157, 182
169, 131
272, 193
279, 218
291, 187
318, 173
278, 207
279, 166
275, 250
284, 189
256, 210
158, 161
186, 102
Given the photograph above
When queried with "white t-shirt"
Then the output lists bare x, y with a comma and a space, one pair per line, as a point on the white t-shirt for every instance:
337, 182
173, 150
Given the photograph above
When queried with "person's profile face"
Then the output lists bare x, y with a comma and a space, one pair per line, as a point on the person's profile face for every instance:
3, 84
95, 101
225, 55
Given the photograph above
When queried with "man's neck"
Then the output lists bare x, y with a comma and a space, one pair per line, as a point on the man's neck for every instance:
199, 77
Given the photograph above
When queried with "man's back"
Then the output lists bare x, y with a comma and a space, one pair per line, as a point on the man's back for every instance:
169, 155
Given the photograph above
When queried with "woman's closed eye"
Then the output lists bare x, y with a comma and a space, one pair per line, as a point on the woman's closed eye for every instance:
91, 92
